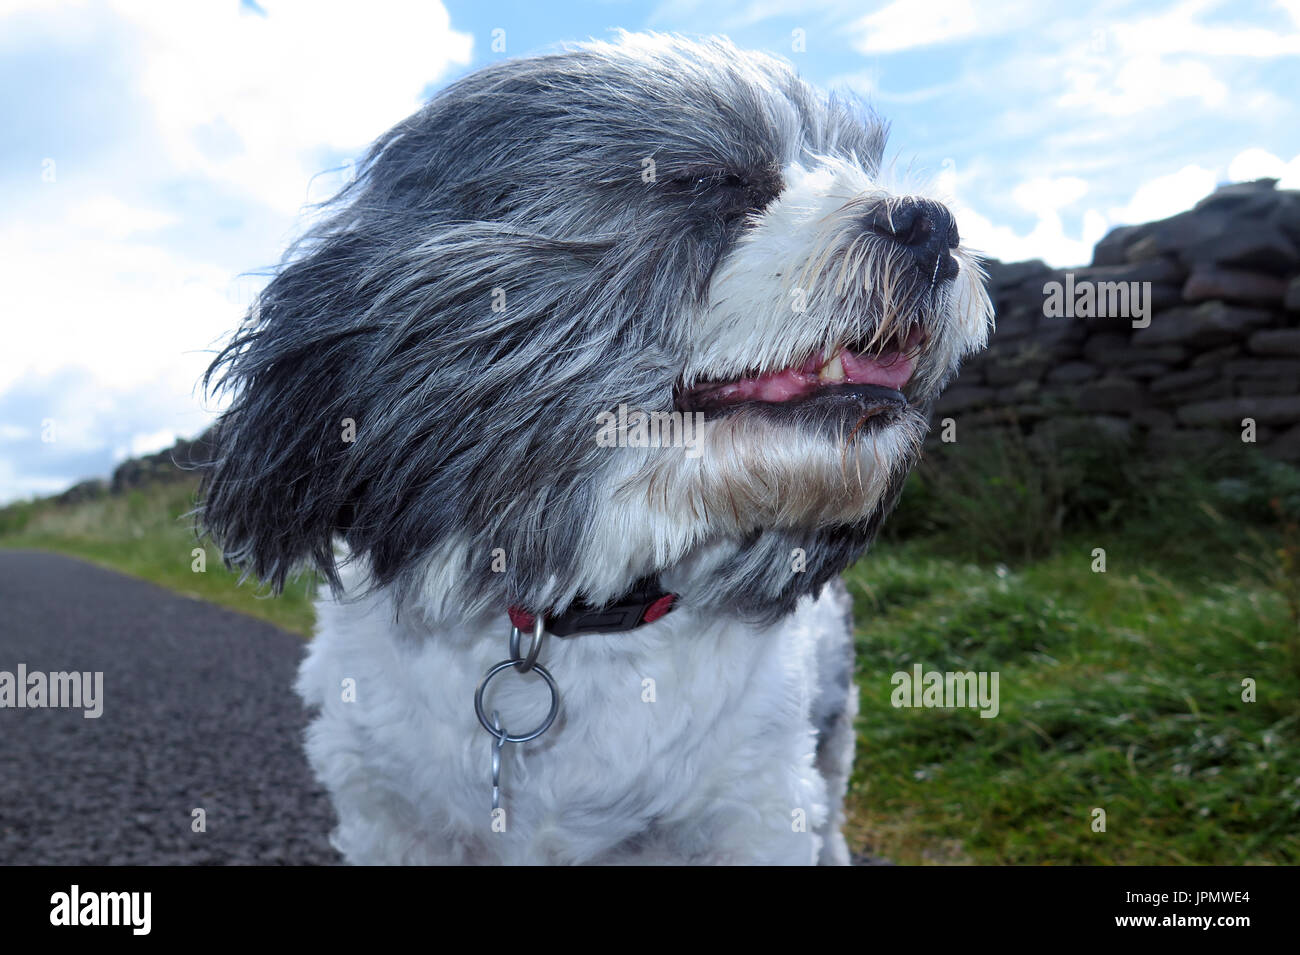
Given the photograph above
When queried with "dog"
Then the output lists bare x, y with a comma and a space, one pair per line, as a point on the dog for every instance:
441, 402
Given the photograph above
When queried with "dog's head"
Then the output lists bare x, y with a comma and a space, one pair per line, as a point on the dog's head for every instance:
454, 373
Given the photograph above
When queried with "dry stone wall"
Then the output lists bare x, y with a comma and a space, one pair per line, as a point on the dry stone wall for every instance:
1218, 343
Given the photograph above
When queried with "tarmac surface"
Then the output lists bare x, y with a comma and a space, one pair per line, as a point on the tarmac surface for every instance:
197, 713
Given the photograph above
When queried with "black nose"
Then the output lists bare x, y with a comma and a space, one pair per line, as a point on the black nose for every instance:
924, 228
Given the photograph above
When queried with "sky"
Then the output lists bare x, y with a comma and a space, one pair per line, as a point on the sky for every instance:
157, 156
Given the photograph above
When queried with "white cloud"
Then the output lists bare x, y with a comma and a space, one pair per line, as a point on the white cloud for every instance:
142, 444
88, 292
1156, 198
906, 25
1140, 83
1258, 163
1165, 196
1047, 240
15, 485
1047, 195
1178, 32
249, 100
108, 320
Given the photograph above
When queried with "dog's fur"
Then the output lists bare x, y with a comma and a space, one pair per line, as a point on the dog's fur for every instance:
547, 239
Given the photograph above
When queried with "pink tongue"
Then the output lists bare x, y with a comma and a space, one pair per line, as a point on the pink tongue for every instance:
890, 370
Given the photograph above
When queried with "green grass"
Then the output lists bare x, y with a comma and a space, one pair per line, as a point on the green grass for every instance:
1119, 690
147, 534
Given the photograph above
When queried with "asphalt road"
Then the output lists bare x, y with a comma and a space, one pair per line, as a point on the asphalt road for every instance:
197, 714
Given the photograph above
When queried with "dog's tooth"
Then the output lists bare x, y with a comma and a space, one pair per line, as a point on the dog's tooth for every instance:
833, 370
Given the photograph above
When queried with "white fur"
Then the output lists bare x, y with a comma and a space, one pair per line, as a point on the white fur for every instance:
719, 768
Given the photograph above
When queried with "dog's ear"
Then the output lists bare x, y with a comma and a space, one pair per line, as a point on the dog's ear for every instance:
270, 494
400, 385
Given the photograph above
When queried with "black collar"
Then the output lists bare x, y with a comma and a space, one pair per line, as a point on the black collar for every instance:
645, 603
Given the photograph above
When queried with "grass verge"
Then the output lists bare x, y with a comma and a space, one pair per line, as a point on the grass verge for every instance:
145, 533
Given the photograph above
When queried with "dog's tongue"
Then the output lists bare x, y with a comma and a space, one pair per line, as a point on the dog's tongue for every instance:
890, 369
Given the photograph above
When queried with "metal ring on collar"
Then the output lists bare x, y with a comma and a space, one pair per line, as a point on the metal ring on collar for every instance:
524, 664
523, 737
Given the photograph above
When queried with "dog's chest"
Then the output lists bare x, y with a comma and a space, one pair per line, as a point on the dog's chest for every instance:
687, 739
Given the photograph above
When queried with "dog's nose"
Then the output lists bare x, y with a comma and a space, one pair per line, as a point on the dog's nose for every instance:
924, 228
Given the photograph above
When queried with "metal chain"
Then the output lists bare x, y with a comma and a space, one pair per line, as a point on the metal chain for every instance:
521, 664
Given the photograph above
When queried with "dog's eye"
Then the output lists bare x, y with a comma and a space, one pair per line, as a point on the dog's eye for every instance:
733, 194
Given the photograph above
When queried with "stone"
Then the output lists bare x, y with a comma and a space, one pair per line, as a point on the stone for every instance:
1216, 356
1073, 372
1166, 354
1111, 395
996, 417
1146, 369
83, 491
1153, 419
1163, 270
1013, 394
1111, 426
1286, 446
1202, 326
1110, 250
1107, 348
1060, 336
1274, 411
1275, 341
1030, 413
1291, 299
1266, 368
1015, 369
1175, 443
1169, 236
1233, 285
1252, 388
1012, 328
1205, 391
1241, 198
1286, 214
1183, 379
1010, 274
1165, 296
1253, 246
963, 397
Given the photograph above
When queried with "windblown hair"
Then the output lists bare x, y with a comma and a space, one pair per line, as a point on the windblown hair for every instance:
500, 271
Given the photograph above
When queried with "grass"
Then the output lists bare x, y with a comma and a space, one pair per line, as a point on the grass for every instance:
145, 533
1119, 690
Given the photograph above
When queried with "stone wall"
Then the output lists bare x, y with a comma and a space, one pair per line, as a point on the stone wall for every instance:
1222, 343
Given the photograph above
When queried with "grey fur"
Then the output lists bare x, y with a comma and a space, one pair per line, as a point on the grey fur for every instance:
473, 424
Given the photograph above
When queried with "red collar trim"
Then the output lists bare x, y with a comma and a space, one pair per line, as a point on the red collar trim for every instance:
643, 605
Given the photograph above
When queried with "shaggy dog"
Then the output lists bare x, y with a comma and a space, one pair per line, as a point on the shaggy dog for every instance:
630, 344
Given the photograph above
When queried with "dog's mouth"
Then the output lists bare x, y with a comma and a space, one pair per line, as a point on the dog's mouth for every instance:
863, 378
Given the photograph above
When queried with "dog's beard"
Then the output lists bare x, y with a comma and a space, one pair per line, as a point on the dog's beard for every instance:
813, 370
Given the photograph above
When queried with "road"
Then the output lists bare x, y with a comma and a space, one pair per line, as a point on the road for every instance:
198, 713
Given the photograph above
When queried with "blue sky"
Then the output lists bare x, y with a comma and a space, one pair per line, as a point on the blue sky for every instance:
156, 155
